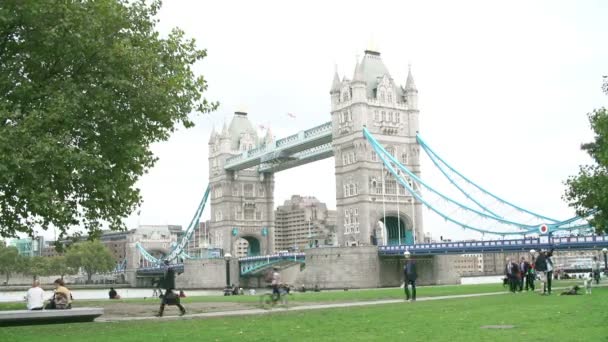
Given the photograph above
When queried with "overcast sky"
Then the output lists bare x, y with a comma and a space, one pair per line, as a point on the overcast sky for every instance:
504, 89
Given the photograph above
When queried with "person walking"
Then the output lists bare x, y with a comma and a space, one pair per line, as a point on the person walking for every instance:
524, 269
512, 273
540, 265
409, 276
595, 267
550, 268
530, 276
169, 297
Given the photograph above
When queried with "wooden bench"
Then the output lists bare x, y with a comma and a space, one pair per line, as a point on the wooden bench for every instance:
27, 317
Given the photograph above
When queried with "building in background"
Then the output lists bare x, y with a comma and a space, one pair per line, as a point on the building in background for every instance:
304, 222
29, 247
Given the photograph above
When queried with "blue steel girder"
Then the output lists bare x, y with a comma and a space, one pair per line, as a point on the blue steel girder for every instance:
300, 158
282, 148
256, 265
521, 245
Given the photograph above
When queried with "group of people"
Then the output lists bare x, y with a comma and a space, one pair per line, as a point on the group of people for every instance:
61, 299
520, 274
524, 272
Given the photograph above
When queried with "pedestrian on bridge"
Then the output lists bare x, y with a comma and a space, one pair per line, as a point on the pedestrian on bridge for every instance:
409, 276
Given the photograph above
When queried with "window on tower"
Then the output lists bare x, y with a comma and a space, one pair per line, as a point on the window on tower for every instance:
248, 190
376, 115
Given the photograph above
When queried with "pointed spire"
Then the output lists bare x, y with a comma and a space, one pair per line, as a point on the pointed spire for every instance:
268, 138
409, 84
335, 85
224, 133
358, 76
213, 135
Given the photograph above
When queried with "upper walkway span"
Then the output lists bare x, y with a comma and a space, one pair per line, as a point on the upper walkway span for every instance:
297, 149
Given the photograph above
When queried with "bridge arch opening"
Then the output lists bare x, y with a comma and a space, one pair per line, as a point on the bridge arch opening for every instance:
397, 230
248, 246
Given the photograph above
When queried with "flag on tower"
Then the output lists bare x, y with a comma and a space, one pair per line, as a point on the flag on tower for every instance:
291, 115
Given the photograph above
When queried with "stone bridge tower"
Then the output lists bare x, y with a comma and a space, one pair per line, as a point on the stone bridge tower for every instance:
242, 204
372, 208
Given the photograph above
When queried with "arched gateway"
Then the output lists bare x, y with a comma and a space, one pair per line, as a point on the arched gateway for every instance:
242, 165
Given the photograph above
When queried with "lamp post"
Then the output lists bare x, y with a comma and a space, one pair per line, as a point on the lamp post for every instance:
605, 251
227, 257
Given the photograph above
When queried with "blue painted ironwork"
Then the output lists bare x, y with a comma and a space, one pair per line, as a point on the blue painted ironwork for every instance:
178, 248
282, 149
385, 157
258, 264
522, 245
434, 155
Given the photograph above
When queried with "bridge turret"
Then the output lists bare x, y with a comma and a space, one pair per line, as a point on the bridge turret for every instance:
358, 84
411, 101
225, 140
411, 93
335, 90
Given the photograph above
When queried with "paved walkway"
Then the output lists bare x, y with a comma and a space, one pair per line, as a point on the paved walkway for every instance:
294, 308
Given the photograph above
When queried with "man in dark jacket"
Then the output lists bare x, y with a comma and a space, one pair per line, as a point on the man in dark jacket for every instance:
542, 267
409, 275
524, 269
169, 298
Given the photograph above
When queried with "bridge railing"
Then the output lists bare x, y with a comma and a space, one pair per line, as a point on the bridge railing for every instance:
318, 130
272, 257
543, 242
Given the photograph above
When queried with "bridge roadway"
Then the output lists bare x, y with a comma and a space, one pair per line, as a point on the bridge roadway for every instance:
514, 245
257, 264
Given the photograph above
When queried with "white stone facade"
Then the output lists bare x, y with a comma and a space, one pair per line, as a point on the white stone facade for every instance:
241, 202
373, 99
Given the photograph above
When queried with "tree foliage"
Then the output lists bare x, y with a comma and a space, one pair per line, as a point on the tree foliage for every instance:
85, 88
92, 256
36, 266
587, 192
59, 266
9, 261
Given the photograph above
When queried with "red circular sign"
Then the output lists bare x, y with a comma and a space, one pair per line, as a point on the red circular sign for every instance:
543, 229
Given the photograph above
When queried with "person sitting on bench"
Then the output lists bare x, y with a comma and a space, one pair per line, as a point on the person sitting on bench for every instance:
62, 297
35, 297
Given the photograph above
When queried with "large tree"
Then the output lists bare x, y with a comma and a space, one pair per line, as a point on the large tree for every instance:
9, 261
59, 266
92, 256
36, 266
587, 192
85, 88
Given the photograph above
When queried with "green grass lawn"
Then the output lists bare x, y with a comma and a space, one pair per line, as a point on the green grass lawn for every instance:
534, 317
317, 297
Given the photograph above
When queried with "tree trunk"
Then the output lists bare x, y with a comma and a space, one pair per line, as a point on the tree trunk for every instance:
8, 274
89, 276
62, 277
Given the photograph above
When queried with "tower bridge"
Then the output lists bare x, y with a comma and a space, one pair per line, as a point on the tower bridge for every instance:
373, 137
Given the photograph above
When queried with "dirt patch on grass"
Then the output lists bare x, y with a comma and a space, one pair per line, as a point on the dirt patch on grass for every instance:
118, 309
